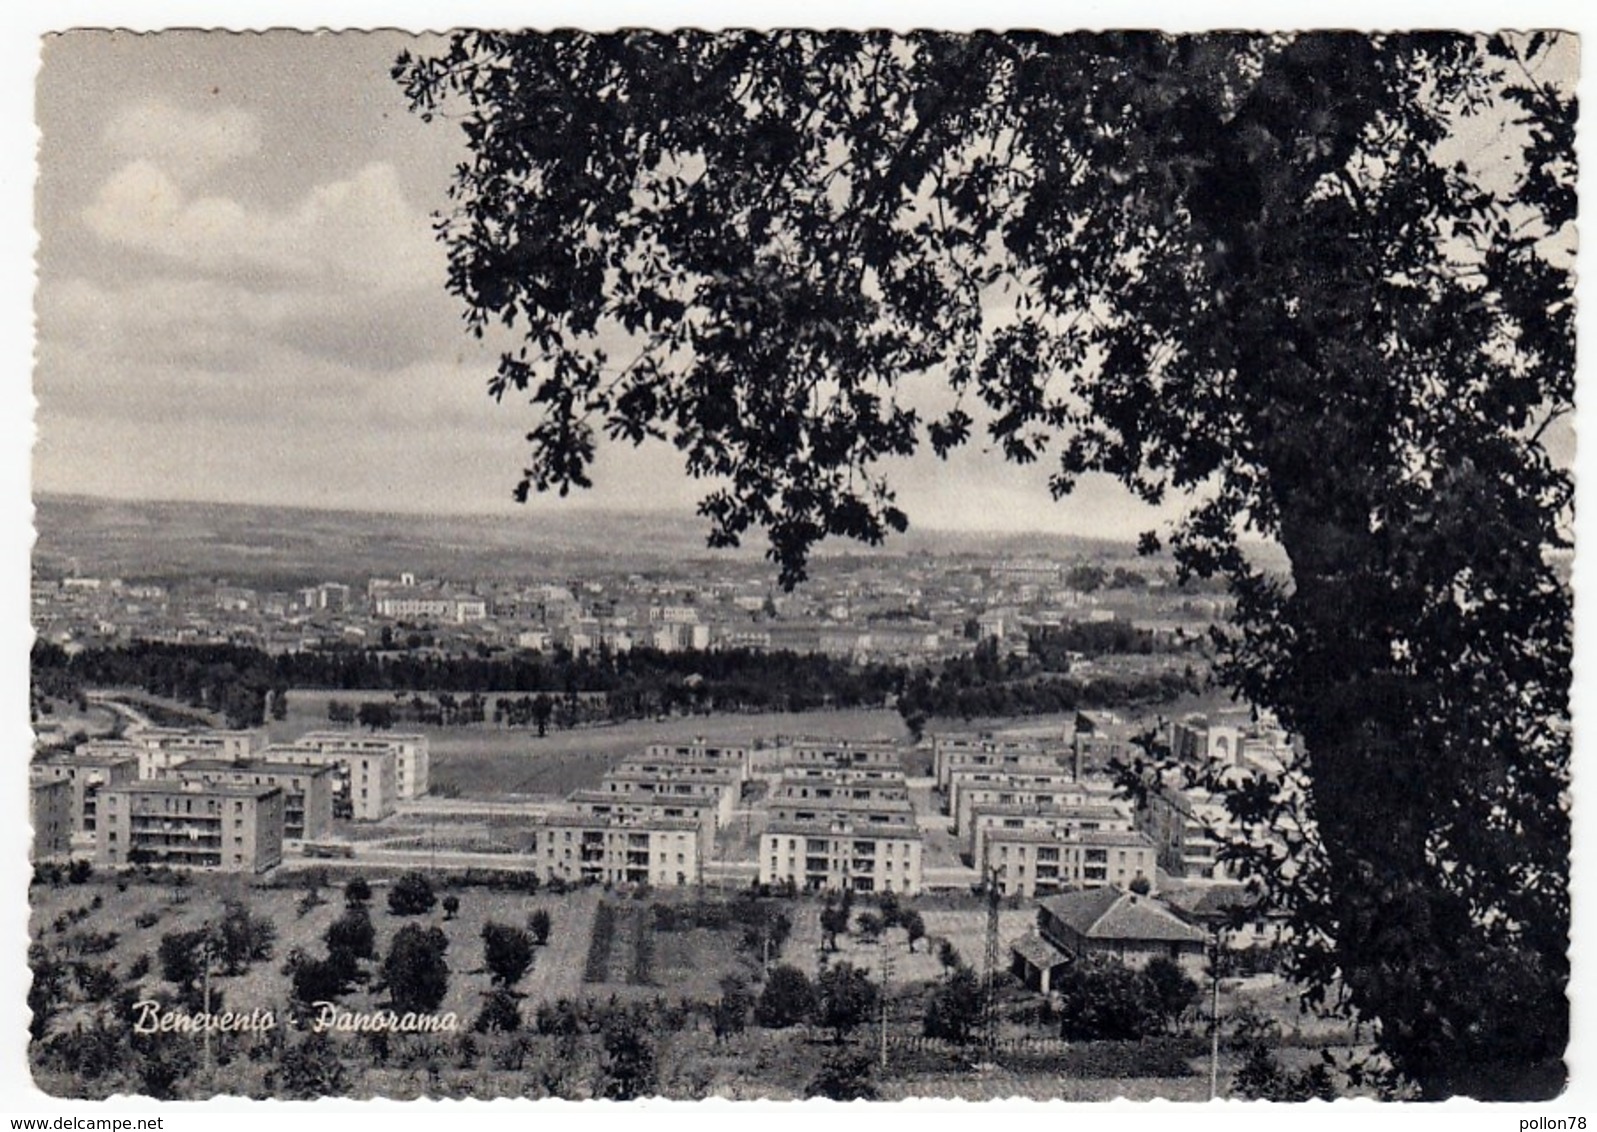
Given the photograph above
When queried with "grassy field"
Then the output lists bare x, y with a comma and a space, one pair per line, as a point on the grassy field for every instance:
488, 762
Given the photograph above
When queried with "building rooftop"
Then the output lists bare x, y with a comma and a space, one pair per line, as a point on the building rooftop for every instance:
1109, 913
846, 829
195, 789
250, 766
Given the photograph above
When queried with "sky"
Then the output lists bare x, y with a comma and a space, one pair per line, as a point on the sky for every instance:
240, 299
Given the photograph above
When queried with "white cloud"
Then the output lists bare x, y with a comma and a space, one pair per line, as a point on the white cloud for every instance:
360, 231
188, 143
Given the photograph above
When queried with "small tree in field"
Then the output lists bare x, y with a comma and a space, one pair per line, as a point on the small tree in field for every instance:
506, 952
914, 927
357, 892
955, 1008
451, 906
788, 999
847, 997
539, 925
415, 971
411, 895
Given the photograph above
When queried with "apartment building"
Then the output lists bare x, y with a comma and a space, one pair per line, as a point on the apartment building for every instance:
618, 849
968, 788
365, 782
677, 784
50, 813
1183, 826
412, 756
881, 753
165, 747
973, 751
650, 807
837, 855
307, 790
1041, 862
985, 818
88, 773
737, 759
841, 785
226, 827
864, 813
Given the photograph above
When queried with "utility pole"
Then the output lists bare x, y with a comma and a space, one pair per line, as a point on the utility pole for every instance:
989, 1010
205, 983
887, 976
1214, 1014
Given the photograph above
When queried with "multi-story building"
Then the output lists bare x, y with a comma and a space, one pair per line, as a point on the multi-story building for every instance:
737, 759
162, 748
651, 807
864, 813
407, 603
307, 790
848, 784
50, 812
675, 784
837, 855
968, 788
882, 753
1186, 828
985, 750
985, 818
412, 757
192, 825
365, 782
89, 773
1040, 862
618, 849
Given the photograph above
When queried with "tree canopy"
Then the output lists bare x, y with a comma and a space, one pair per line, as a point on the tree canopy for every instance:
1317, 284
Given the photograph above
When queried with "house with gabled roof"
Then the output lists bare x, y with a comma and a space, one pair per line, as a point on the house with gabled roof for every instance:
1104, 922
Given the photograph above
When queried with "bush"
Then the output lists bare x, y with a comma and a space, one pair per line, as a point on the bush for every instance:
501, 1013
597, 966
506, 952
147, 919
787, 1000
411, 895
415, 972
357, 892
539, 925
1107, 1000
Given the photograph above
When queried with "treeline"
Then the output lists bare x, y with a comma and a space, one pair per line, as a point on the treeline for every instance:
244, 683
1051, 645
984, 684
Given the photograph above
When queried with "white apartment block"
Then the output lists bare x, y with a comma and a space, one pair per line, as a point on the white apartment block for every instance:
88, 773
165, 747
736, 759
617, 849
838, 855
192, 825
967, 788
413, 759
1069, 819
1041, 862
972, 751
366, 784
881, 753
723, 792
1182, 826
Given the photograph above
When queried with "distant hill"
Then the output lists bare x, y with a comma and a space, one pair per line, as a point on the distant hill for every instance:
290, 545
